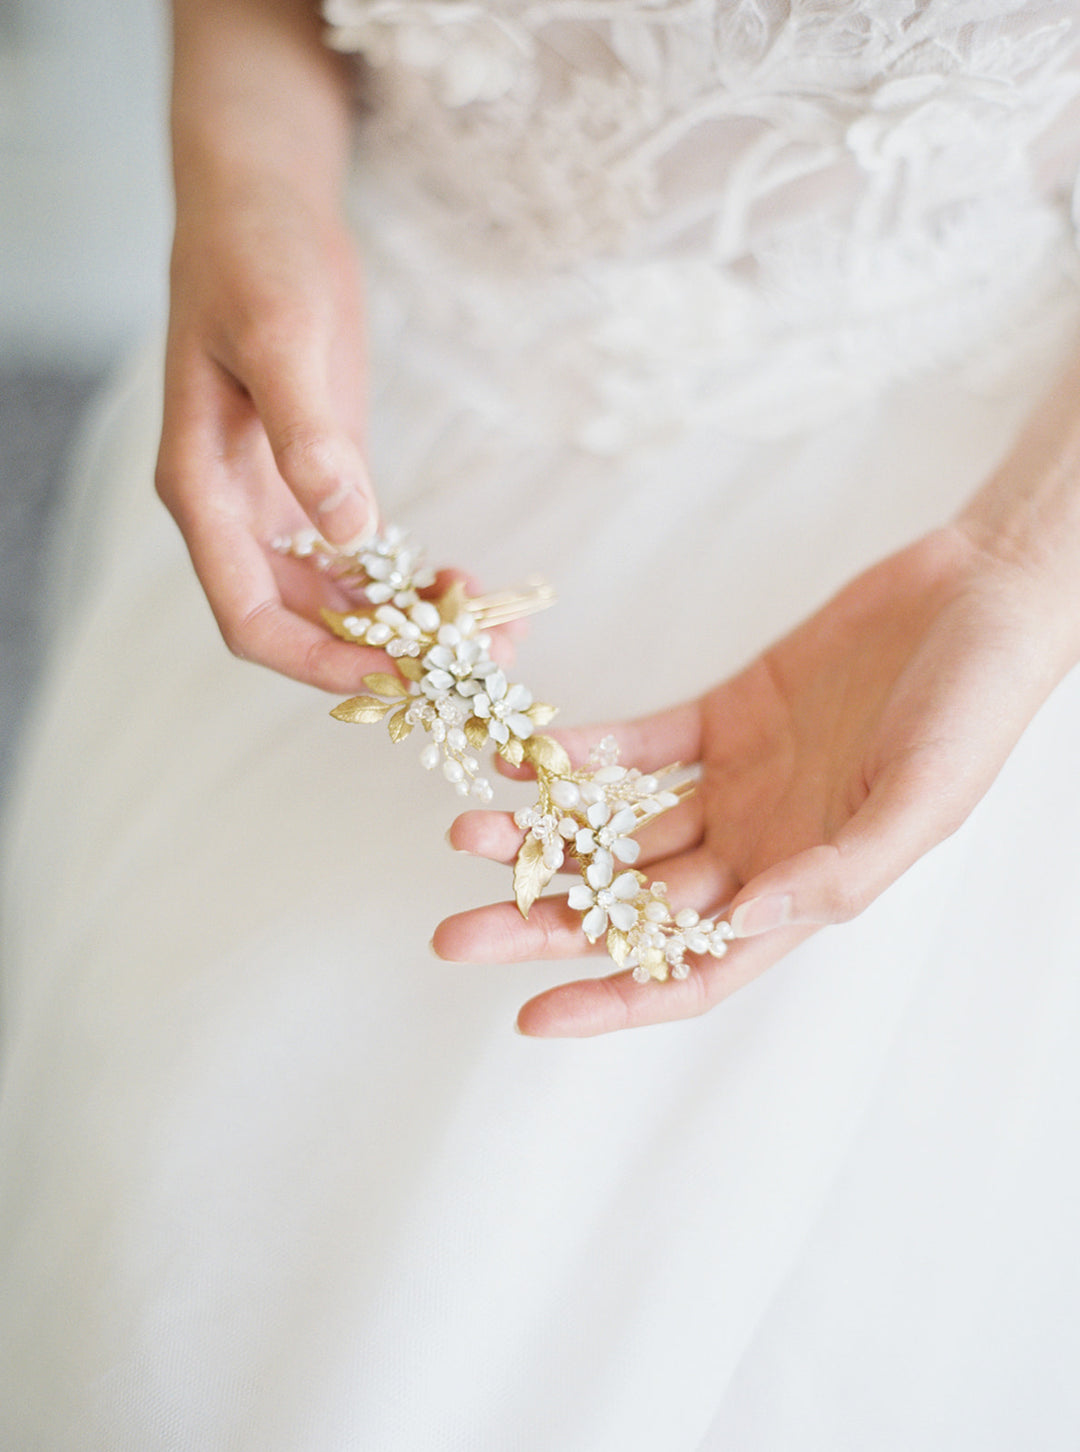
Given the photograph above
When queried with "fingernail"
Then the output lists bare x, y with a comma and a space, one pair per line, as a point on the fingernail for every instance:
345, 490
761, 915
448, 839
360, 541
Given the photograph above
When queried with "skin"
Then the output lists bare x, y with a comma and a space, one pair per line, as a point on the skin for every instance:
265, 379
841, 755
829, 765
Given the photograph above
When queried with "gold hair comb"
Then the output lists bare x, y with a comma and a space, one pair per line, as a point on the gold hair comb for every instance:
447, 683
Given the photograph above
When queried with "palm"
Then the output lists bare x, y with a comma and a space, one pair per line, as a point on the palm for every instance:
791, 747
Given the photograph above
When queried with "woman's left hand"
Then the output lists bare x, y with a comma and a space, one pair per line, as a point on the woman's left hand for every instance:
829, 765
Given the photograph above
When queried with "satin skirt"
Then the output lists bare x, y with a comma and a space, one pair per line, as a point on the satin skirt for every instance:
273, 1179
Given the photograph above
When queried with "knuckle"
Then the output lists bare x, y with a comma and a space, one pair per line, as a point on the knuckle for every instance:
846, 898
240, 634
305, 454
547, 934
319, 666
618, 993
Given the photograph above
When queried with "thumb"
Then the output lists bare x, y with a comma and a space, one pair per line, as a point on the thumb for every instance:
902, 818
318, 459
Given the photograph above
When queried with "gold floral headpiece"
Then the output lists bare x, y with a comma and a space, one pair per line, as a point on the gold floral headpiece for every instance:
447, 683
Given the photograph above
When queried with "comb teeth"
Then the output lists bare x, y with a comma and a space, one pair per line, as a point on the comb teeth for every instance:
503, 606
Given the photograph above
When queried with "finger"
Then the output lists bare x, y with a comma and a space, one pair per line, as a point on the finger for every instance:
204, 482
906, 813
496, 836
648, 743
497, 932
593, 1006
319, 461
242, 591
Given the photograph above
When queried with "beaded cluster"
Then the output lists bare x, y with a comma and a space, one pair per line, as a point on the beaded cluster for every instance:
447, 682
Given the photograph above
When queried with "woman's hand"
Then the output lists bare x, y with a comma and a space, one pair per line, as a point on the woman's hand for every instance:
829, 766
264, 424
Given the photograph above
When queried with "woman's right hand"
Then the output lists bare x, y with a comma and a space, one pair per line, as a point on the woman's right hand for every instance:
264, 420
263, 429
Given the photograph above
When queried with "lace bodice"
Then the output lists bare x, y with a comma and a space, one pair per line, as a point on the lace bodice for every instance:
846, 190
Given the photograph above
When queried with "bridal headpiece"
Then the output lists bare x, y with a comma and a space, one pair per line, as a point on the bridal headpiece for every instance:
447, 683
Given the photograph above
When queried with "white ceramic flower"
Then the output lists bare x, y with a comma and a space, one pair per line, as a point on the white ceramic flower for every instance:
503, 707
605, 837
394, 570
604, 900
457, 662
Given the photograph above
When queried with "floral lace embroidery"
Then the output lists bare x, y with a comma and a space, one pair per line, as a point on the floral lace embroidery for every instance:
749, 158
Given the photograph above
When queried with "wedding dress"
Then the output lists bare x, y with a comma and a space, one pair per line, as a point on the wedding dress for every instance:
696, 307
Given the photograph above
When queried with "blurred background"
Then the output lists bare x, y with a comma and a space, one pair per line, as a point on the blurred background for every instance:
84, 231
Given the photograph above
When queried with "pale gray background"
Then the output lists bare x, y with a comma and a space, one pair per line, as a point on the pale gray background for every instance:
84, 221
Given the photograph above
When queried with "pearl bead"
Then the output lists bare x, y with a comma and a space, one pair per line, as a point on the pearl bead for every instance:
565, 793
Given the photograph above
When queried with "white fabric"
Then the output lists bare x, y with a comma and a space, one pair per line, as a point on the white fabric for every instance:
272, 1179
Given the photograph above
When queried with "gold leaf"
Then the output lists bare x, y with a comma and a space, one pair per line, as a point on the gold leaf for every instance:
513, 751
410, 667
476, 732
531, 875
335, 621
618, 946
452, 602
541, 714
398, 726
362, 709
547, 755
384, 684
654, 961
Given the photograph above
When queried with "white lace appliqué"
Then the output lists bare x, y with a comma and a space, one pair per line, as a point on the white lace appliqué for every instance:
695, 199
